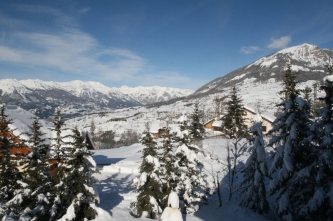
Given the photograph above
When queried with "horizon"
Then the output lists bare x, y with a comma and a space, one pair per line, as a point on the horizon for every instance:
151, 43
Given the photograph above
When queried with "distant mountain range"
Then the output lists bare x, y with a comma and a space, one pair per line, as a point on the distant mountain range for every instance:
258, 84
78, 97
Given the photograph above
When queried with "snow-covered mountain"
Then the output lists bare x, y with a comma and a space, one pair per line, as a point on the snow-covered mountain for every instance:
149, 95
78, 96
309, 59
258, 84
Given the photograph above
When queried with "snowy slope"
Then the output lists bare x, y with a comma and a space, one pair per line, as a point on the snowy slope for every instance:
116, 193
22, 121
311, 55
118, 168
310, 60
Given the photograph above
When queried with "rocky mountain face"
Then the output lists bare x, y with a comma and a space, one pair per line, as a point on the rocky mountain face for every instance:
77, 97
309, 60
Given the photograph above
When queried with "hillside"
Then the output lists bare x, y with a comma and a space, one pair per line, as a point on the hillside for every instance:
309, 59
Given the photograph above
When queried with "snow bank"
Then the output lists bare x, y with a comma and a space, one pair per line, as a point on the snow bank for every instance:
127, 167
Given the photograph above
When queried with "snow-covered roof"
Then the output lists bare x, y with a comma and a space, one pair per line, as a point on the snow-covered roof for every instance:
154, 127
217, 123
264, 116
328, 78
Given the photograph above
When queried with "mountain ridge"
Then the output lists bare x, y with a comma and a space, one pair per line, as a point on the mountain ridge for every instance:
258, 82
88, 96
309, 59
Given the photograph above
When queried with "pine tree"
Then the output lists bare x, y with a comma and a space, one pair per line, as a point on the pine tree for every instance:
254, 172
35, 196
9, 175
191, 186
196, 129
57, 157
79, 194
149, 186
168, 169
294, 157
320, 205
233, 121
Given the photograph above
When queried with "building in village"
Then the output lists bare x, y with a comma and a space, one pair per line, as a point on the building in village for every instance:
21, 121
217, 124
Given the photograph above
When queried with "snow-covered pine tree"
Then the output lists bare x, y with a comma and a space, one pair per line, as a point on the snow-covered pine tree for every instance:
233, 128
35, 196
254, 172
233, 121
57, 156
9, 174
79, 194
168, 169
294, 156
149, 185
320, 205
191, 185
196, 129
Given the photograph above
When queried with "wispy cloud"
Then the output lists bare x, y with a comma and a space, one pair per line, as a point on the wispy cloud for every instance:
84, 10
280, 42
61, 19
73, 51
249, 49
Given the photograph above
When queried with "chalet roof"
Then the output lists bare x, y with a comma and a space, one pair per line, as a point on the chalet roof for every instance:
217, 123
154, 127
264, 116
214, 119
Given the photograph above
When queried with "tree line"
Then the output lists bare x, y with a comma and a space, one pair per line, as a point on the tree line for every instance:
300, 167
106, 139
55, 181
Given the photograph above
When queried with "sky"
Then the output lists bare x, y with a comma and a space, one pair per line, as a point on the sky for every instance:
170, 43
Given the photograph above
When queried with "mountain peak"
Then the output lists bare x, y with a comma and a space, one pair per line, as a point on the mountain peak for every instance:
310, 54
309, 59
303, 49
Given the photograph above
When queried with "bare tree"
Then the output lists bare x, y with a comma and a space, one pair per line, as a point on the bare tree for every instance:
236, 148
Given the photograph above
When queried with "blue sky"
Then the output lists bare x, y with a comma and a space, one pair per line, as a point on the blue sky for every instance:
172, 43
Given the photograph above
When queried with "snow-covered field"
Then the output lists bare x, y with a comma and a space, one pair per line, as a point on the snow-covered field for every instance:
118, 168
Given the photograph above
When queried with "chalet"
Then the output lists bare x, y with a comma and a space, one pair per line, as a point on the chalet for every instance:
217, 125
248, 114
18, 150
158, 128
209, 124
